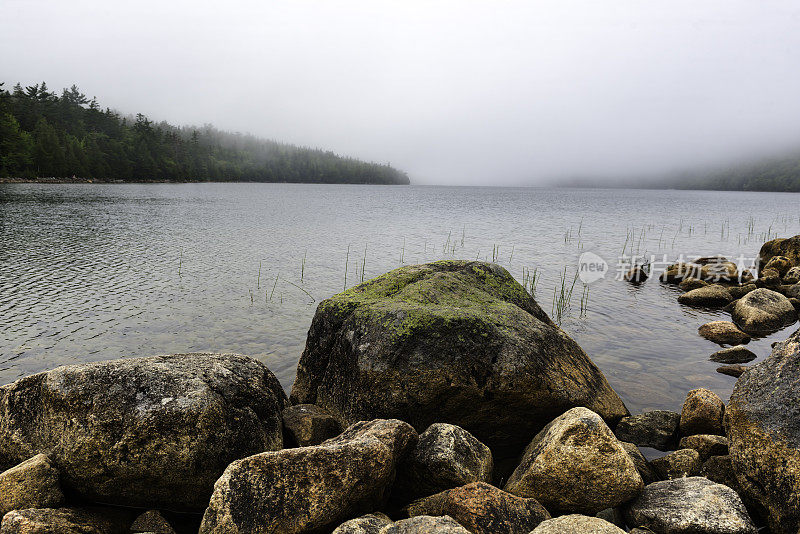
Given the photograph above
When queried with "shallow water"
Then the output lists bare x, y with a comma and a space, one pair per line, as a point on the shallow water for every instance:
91, 272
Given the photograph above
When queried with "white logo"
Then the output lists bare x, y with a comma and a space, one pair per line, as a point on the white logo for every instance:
591, 267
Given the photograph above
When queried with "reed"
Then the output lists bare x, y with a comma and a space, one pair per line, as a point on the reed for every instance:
584, 300
274, 285
180, 262
347, 265
562, 295
303, 266
258, 280
363, 263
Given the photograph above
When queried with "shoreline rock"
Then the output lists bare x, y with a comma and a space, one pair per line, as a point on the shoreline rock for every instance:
452, 341
151, 432
763, 424
576, 465
310, 488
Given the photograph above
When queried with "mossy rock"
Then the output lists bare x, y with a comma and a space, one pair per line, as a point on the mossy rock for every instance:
763, 426
453, 341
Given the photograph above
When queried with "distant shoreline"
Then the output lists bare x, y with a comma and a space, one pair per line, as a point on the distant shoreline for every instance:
64, 181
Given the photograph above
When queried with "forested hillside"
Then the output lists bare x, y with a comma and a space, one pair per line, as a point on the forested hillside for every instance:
775, 174
43, 134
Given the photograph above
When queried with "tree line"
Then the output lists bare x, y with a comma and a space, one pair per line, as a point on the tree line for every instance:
44, 135
773, 174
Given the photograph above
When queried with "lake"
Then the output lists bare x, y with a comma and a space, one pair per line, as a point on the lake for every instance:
92, 272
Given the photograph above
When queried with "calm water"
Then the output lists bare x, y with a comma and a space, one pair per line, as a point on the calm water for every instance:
91, 272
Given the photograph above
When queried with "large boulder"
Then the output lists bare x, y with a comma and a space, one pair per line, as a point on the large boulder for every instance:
576, 523
789, 248
446, 456
310, 488
148, 432
31, 484
763, 311
483, 509
576, 464
763, 424
657, 429
453, 341
688, 506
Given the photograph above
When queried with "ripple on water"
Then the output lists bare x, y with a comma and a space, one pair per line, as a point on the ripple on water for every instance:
91, 272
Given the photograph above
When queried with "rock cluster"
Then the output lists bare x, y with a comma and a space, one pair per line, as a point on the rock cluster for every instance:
452, 366
758, 307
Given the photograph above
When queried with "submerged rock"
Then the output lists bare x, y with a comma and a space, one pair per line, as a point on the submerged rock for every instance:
657, 429
763, 423
453, 341
575, 523
737, 354
637, 274
148, 432
484, 509
712, 295
734, 370
446, 456
576, 464
310, 488
66, 521
678, 464
702, 413
723, 333
31, 484
763, 311
307, 424
688, 506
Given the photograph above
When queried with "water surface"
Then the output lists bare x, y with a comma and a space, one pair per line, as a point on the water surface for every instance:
91, 272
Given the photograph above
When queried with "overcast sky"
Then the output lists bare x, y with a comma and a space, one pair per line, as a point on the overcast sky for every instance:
453, 92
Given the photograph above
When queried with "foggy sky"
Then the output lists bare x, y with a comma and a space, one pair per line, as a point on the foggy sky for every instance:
453, 92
